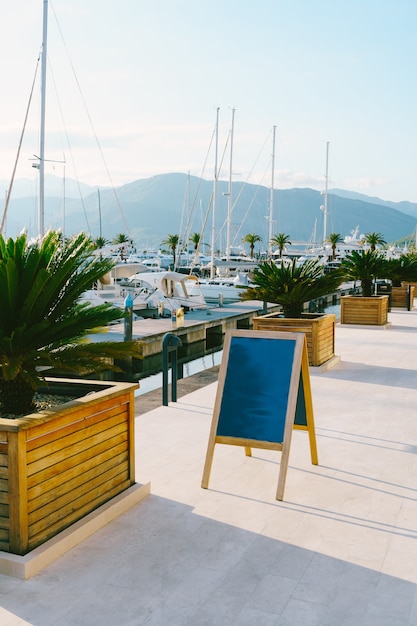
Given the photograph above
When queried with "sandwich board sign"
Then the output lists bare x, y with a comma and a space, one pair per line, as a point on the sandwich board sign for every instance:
263, 394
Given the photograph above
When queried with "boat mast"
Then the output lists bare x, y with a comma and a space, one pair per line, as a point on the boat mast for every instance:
63, 205
99, 211
229, 191
41, 214
216, 174
271, 196
325, 194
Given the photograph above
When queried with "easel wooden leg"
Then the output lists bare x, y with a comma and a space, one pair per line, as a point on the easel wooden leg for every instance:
285, 454
305, 373
207, 465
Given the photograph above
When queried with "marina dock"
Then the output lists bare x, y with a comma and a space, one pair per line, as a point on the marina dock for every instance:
202, 332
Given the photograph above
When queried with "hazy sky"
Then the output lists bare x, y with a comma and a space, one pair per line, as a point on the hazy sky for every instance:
133, 87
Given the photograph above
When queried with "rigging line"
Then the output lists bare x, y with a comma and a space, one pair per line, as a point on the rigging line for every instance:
200, 242
69, 147
184, 236
9, 191
251, 171
204, 167
244, 185
249, 208
91, 124
219, 234
201, 178
223, 156
184, 208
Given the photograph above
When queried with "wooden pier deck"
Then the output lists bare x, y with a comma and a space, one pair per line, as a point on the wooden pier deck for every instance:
209, 325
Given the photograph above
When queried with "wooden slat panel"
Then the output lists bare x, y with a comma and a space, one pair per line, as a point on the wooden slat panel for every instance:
400, 296
77, 513
104, 429
318, 331
45, 481
80, 481
131, 437
59, 507
73, 463
65, 430
71, 415
363, 310
5, 543
4, 533
18, 493
4, 497
78, 447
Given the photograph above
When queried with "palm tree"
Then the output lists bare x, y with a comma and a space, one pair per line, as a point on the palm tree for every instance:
364, 266
292, 285
334, 239
195, 240
281, 240
43, 323
374, 240
251, 239
122, 238
172, 242
100, 242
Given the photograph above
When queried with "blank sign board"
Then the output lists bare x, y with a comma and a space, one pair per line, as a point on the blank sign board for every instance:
263, 394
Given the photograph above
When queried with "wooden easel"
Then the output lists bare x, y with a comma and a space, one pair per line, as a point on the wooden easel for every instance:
282, 398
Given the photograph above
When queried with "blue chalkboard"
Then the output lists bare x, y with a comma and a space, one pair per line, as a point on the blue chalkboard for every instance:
256, 389
262, 395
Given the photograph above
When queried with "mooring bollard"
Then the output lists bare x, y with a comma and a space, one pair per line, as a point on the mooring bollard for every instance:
128, 328
128, 332
170, 344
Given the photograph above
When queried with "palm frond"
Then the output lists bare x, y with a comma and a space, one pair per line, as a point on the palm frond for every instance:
42, 321
292, 285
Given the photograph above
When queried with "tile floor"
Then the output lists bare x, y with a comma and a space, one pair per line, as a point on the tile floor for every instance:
340, 550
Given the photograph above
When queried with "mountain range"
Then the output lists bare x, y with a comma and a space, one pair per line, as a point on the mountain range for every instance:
150, 209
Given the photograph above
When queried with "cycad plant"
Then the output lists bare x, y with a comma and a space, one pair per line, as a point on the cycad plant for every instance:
43, 323
365, 266
403, 268
292, 285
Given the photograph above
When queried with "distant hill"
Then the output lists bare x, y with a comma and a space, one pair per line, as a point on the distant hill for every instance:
54, 186
152, 208
410, 208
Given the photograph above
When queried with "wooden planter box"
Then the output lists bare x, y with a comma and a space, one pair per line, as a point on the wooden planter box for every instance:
405, 283
59, 465
318, 327
364, 310
402, 297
